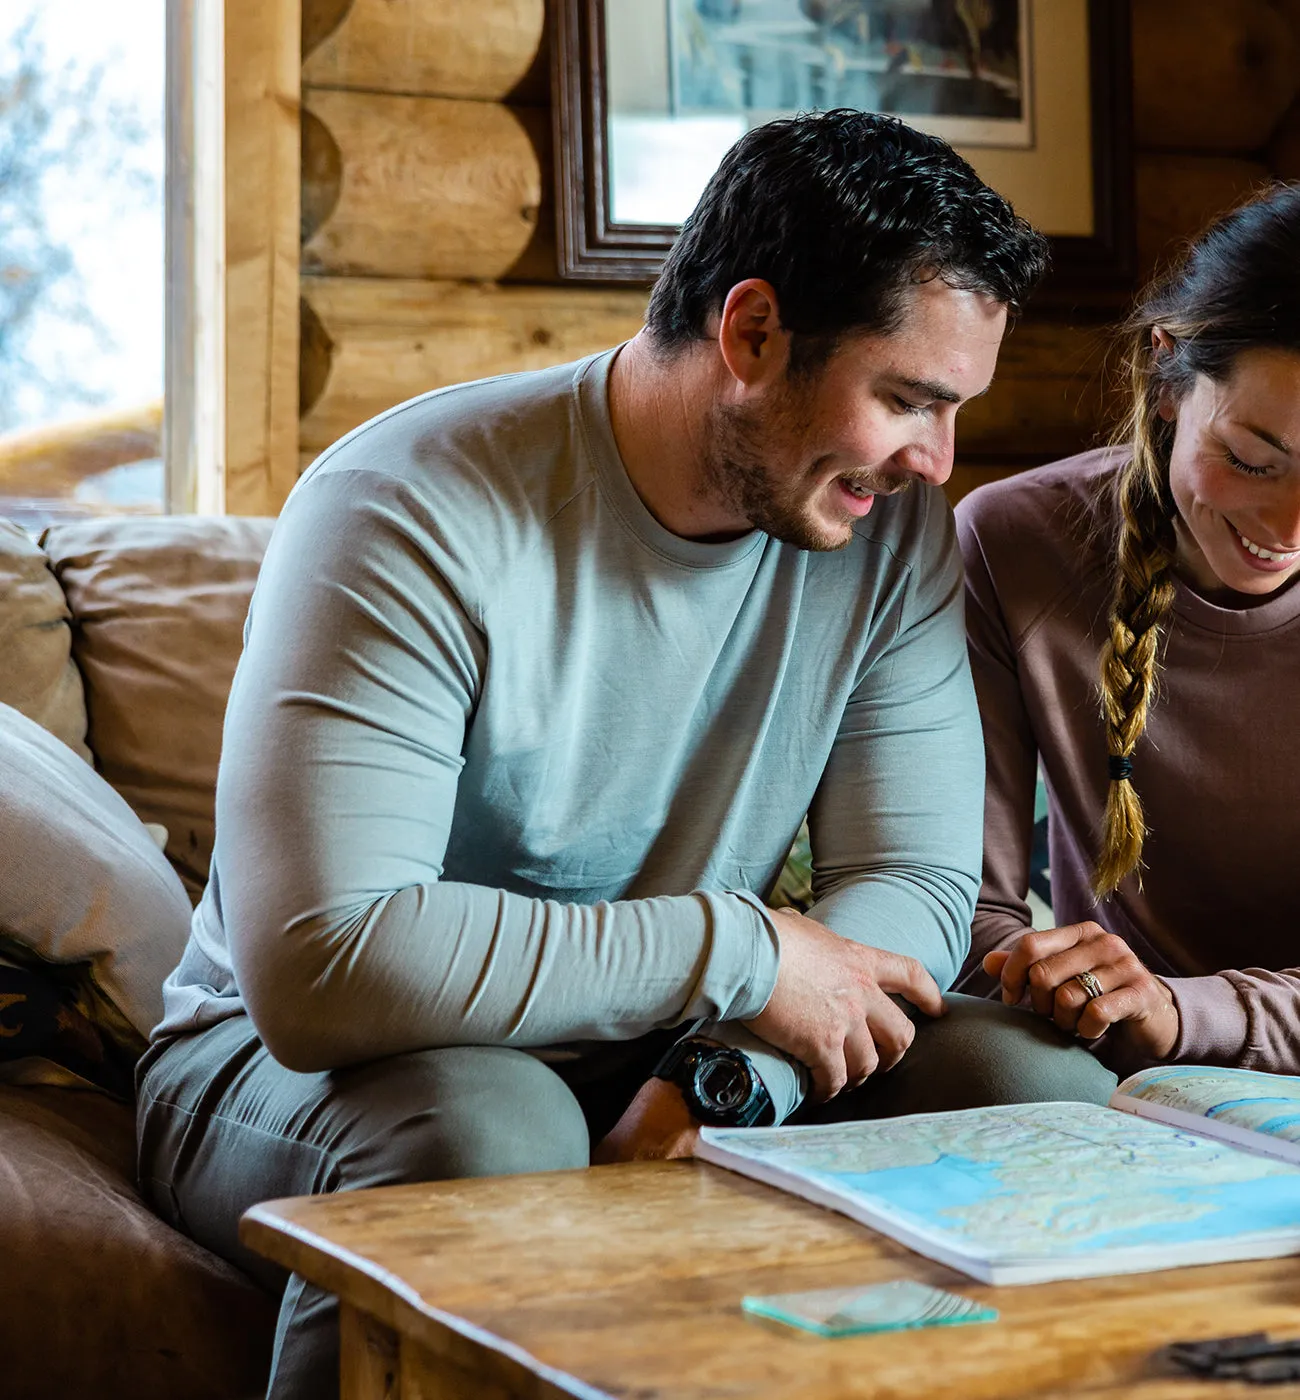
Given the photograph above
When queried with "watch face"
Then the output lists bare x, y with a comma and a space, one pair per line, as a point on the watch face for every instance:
724, 1085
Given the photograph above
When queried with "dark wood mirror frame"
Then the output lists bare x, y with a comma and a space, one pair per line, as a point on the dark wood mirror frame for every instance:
1088, 272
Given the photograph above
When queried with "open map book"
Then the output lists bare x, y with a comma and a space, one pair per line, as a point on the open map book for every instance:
1025, 1193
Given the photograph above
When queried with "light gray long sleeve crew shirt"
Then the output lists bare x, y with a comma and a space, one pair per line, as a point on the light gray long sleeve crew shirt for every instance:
508, 763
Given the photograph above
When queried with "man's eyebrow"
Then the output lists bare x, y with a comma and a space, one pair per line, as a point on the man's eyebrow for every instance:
932, 389
1281, 444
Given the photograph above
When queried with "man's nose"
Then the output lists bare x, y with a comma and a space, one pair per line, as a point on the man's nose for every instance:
928, 459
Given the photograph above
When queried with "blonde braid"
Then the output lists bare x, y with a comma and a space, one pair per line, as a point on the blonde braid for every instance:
1130, 657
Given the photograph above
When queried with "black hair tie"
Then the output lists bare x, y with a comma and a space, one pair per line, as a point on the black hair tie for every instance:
1120, 768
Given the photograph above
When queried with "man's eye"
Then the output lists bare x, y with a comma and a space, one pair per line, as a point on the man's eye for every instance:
907, 406
1241, 466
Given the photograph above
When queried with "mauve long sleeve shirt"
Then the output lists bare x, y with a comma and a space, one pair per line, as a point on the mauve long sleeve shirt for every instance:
1218, 768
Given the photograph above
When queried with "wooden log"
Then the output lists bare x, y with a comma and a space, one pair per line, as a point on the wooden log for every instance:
426, 187
1208, 76
376, 343
315, 354
1178, 195
321, 174
320, 18
1047, 399
261, 253
1284, 149
390, 340
492, 49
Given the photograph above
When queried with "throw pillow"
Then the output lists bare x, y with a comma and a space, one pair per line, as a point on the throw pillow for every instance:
83, 883
37, 673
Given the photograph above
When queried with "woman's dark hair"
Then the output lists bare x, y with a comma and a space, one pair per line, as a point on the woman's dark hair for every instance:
841, 211
1237, 287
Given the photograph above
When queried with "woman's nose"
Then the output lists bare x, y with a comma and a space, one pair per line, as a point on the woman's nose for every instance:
1283, 517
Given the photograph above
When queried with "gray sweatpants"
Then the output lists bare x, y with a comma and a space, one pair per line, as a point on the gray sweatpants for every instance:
222, 1126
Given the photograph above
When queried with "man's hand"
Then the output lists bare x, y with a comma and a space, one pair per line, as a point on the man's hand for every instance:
1045, 965
831, 1006
655, 1126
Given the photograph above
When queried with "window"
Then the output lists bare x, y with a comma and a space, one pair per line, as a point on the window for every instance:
81, 258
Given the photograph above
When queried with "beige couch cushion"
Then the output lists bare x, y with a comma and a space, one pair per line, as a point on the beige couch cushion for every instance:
37, 674
158, 609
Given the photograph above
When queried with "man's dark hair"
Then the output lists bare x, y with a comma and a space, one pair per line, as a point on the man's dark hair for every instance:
841, 211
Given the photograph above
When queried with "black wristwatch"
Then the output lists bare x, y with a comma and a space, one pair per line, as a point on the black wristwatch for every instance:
720, 1086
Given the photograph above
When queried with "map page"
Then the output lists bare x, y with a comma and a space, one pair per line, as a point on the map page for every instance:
1024, 1193
1248, 1101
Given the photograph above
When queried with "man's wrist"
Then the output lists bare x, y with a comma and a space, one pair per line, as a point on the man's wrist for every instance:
656, 1126
717, 1082
665, 1106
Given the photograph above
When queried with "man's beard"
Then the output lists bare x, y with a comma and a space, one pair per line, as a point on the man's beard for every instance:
738, 468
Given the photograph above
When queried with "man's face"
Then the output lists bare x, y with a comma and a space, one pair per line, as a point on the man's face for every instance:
803, 458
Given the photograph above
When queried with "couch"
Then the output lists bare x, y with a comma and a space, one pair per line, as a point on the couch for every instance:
119, 637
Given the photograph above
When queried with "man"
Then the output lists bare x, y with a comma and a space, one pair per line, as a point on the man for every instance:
542, 674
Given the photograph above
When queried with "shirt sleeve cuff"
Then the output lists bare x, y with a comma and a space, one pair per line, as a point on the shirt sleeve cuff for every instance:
1212, 1021
785, 1080
765, 961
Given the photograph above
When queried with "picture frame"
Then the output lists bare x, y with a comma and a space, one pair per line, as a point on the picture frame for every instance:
1093, 254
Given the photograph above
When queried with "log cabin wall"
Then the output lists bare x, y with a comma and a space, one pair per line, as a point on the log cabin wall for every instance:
428, 237
428, 250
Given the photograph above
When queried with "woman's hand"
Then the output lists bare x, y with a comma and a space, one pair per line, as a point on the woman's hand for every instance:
1047, 964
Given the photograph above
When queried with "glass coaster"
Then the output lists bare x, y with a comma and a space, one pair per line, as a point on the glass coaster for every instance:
882, 1307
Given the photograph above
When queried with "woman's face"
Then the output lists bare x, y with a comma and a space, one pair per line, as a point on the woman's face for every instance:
1235, 476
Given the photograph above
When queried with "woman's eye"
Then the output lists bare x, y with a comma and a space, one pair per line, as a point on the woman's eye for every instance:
1241, 466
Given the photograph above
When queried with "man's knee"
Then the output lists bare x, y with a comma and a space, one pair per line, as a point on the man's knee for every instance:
982, 1052
465, 1111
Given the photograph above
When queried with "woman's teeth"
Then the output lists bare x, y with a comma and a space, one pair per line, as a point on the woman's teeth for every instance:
1262, 553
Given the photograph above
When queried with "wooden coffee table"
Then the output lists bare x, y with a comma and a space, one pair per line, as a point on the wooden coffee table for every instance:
626, 1281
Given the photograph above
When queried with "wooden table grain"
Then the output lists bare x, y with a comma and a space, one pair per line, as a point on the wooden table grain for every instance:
626, 1281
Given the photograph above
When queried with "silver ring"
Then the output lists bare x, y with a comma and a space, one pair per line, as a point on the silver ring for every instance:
1089, 983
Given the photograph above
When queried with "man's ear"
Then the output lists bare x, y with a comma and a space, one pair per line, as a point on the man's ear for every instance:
755, 347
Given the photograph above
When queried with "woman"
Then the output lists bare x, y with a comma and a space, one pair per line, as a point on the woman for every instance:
1134, 624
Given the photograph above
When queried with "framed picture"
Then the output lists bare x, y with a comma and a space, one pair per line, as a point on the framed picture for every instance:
1036, 94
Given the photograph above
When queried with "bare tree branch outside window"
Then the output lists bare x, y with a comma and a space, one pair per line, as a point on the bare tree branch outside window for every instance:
60, 133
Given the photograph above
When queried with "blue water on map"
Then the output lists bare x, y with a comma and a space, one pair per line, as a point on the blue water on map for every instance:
949, 1183
941, 1195
1219, 1109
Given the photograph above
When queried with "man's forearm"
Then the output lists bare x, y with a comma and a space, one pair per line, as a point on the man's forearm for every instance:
450, 963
